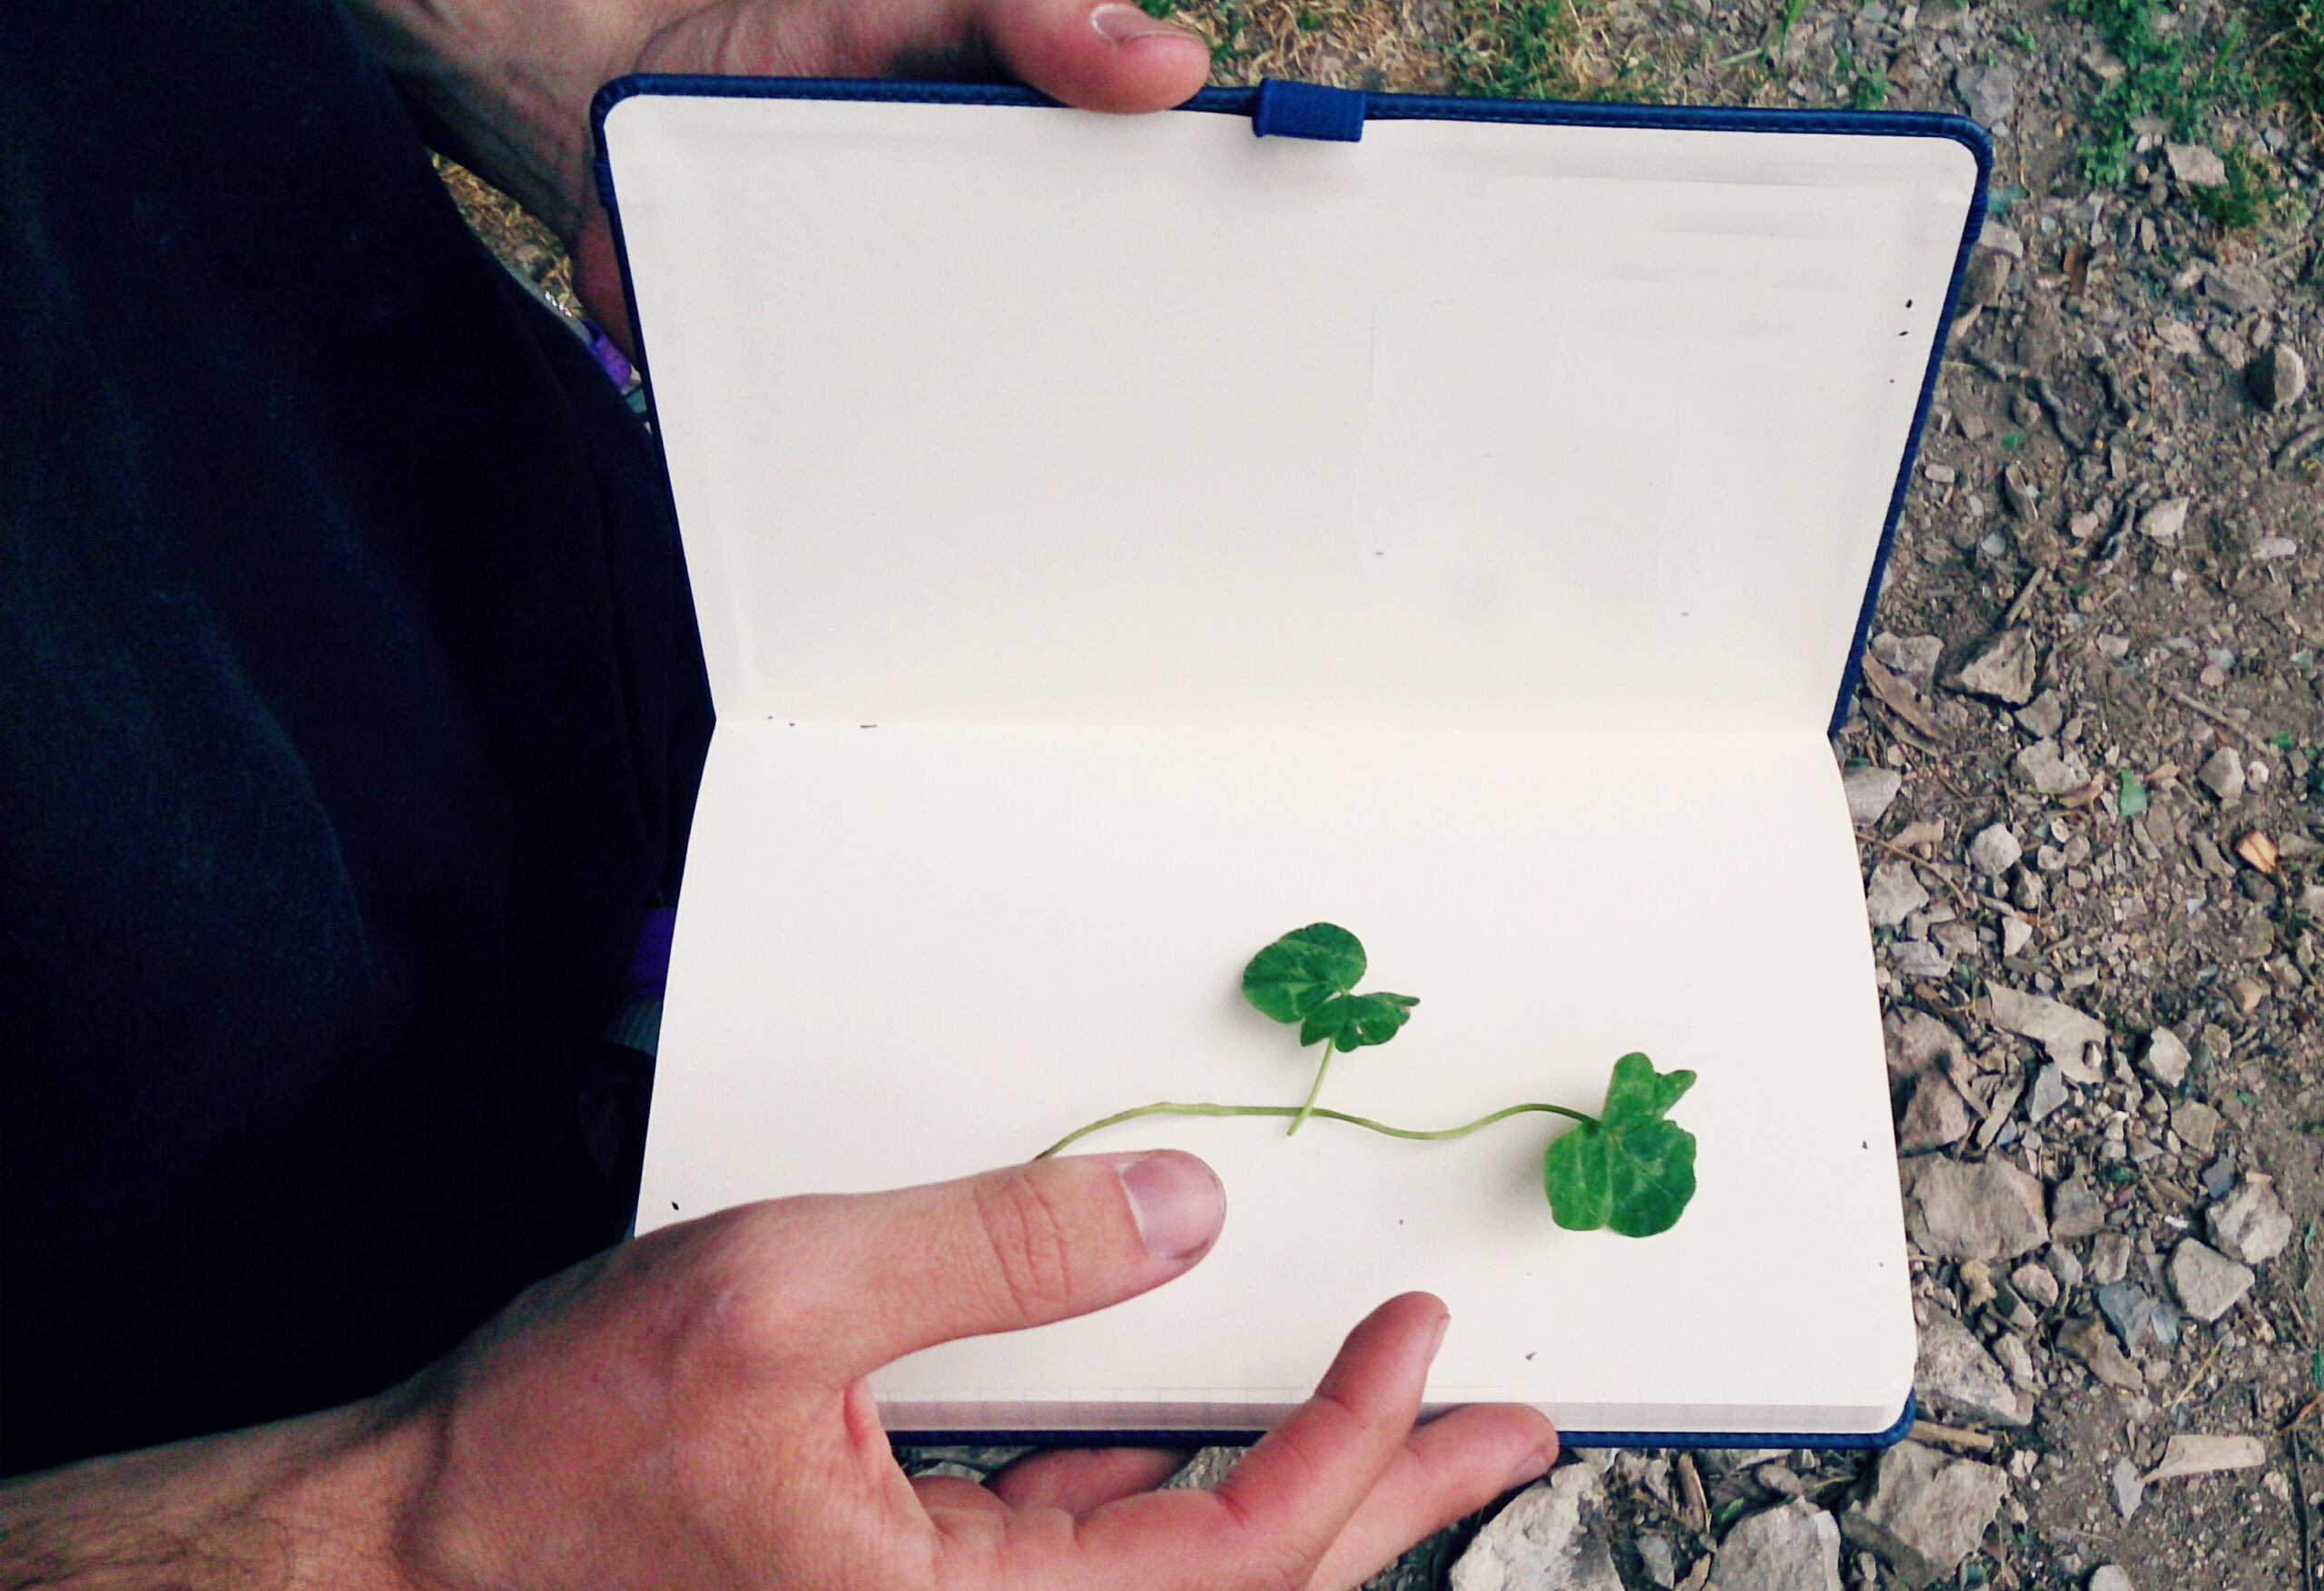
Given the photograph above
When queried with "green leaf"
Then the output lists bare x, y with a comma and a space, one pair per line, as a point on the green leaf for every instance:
1630, 1170
1302, 970
2132, 801
1353, 1021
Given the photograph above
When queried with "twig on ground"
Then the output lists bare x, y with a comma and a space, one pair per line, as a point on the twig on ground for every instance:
2259, 742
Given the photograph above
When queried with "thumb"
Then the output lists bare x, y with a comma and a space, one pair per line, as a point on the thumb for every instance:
867, 1279
1107, 57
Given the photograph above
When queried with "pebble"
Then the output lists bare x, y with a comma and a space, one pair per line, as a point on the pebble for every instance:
2138, 1317
2222, 775
1919, 958
1795, 1547
1995, 850
1553, 1537
1957, 1211
2044, 716
2218, 1177
1869, 791
2088, 1340
2206, 1281
1991, 94
2268, 549
2110, 1258
1937, 1116
2166, 519
1953, 1368
2110, 1578
2240, 289
1983, 281
1924, 1512
2002, 669
1912, 657
2166, 1057
2130, 1489
2065, 1032
2034, 1281
2196, 165
1659, 1558
2049, 1090
2196, 1125
2276, 376
1893, 893
2016, 933
2252, 1227
2051, 770
2190, 1453
2076, 1210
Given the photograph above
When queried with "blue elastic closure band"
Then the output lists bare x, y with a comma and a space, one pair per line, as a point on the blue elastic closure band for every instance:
1307, 110
603, 170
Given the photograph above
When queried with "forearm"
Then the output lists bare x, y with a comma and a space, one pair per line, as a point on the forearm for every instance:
303, 1504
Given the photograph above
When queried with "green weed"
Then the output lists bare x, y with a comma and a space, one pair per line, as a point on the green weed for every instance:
2167, 74
1535, 49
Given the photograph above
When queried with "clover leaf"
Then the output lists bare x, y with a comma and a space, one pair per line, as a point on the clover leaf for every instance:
1630, 1170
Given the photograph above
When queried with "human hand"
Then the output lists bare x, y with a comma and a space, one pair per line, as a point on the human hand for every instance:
512, 79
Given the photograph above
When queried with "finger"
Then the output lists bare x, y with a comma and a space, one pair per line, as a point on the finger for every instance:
1078, 1479
859, 1280
1098, 55
1446, 1469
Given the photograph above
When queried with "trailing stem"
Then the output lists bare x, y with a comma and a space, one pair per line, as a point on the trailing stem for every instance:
1307, 1105
1300, 1113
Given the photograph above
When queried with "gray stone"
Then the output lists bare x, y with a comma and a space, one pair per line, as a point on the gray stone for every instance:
2129, 1488
2088, 1340
2051, 768
1917, 1041
1869, 791
1937, 1116
2016, 933
1991, 94
2063, 1266
1659, 1558
2110, 1578
2035, 1283
2138, 1317
1924, 1512
1919, 958
2062, 1031
1553, 1537
1913, 657
2044, 716
2222, 775
2217, 1177
1893, 893
1957, 1211
1795, 1547
2253, 1226
2165, 520
1954, 1371
2191, 1453
2110, 1258
2276, 376
1985, 279
2166, 1057
2196, 165
2048, 1094
2240, 289
1996, 235
2004, 669
1996, 849
2206, 1281
2196, 1125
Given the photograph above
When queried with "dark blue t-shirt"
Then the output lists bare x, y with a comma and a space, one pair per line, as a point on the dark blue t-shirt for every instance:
350, 711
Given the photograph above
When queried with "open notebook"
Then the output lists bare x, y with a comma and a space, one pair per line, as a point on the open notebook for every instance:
1119, 542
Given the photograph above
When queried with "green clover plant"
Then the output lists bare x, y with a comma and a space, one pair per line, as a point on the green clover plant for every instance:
1628, 1169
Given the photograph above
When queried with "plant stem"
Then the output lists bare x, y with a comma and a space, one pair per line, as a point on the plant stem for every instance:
1170, 1107
1307, 1107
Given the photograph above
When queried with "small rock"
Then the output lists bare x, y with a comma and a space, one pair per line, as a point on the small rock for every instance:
1954, 1369
1659, 1558
2206, 1281
1990, 94
2002, 239
2130, 1489
2268, 549
1795, 1547
2166, 1057
1937, 1116
1893, 893
2191, 1454
1981, 282
2178, 337
2240, 289
2048, 1093
1869, 791
2110, 1578
2076, 1210
2166, 519
2138, 1317
2004, 669
1917, 1041
2033, 1281
2050, 769
2251, 1227
2088, 1340
2044, 716
2110, 1258
1553, 1537
2196, 1125
2222, 775
2065, 1032
2196, 165
1926, 1512
2061, 1262
1919, 958
2016, 933
1995, 850
2276, 377
1912, 657
2218, 1177
1988, 1211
